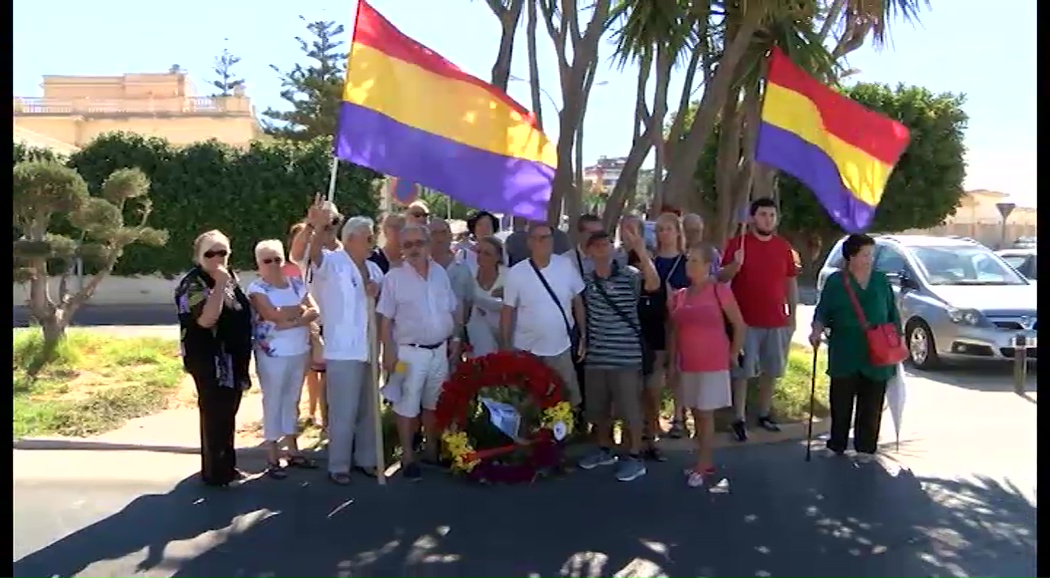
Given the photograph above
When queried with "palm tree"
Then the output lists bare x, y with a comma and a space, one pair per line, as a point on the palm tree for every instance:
743, 32
655, 35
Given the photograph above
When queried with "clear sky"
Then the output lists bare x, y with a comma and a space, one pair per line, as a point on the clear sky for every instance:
952, 49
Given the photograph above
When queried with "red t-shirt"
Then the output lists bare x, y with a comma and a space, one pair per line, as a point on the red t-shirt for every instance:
760, 287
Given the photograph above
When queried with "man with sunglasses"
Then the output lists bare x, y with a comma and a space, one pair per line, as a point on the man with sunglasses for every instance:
421, 327
417, 213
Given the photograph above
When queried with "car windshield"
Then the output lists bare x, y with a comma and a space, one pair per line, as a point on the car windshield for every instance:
962, 265
1019, 262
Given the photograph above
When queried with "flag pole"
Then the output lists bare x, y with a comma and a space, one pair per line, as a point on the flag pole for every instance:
331, 178
376, 399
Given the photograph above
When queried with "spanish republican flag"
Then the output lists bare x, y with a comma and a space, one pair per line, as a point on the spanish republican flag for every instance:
409, 113
842, 151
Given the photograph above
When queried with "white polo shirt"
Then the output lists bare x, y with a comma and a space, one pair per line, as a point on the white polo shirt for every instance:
422, 309
339, 286
540, 328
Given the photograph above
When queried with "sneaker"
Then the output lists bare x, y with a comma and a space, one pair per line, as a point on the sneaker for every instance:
696, 478
630, 468
676, 431
602, 457
864, 458
767, 423
740, 430
412, 472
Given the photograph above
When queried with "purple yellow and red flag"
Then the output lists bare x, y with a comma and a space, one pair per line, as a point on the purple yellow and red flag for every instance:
841, 150
408, 112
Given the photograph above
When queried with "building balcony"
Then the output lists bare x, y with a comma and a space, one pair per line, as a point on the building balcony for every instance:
186, 106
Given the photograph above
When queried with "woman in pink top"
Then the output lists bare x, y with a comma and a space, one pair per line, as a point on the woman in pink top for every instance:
702, 350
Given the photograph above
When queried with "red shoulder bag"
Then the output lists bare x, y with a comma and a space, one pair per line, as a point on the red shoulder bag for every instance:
885, 346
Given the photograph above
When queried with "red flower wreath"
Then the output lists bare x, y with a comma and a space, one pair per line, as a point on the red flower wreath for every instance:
519, 370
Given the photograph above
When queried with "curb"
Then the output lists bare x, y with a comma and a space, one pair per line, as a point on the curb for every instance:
795, 431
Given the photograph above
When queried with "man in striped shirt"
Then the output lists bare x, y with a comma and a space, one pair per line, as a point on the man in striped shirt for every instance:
613, 364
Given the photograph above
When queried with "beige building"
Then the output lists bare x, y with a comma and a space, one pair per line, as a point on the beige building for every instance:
74, 110
978, 218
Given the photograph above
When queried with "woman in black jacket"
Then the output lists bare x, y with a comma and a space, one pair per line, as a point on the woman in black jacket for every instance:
216, 338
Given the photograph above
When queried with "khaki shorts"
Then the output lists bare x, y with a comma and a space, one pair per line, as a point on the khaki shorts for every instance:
562, 365
613, 388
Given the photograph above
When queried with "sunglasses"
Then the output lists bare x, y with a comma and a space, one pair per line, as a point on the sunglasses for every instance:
414, 244
272, 260
211, 254
419, 215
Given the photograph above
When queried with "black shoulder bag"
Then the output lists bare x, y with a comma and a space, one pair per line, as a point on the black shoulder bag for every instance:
648, 356
573, 331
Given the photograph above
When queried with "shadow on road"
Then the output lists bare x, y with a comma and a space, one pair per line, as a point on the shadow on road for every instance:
769, 515
979, 376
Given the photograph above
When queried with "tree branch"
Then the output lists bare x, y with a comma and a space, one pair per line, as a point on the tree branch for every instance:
834, 12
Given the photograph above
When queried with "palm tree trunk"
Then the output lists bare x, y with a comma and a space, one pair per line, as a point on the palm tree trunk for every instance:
509, 14
664, 62
626, 186
531, 21
681, 166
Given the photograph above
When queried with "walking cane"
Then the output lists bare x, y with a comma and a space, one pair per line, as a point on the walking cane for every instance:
377, 403
812, 403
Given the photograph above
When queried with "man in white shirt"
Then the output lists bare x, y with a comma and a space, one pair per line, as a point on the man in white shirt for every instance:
345, 280
532, 321
421, 327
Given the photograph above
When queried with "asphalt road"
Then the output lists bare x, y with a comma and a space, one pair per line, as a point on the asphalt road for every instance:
957, 499
771, 514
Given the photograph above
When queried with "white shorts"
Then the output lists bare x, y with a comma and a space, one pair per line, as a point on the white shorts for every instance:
706, 390
425, 372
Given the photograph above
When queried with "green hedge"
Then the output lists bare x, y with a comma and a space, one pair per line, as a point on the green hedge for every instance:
250, 195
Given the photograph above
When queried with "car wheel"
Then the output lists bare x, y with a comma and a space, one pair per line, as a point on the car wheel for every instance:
922, 351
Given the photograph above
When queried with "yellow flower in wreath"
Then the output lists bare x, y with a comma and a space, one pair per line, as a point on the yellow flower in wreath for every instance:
458, 447
559, 420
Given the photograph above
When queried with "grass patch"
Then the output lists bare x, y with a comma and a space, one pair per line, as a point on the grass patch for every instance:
92, 383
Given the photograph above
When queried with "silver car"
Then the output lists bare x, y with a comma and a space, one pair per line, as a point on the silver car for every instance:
1024, 260
958, 299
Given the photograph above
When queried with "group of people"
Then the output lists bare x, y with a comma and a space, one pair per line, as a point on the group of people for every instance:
618, 323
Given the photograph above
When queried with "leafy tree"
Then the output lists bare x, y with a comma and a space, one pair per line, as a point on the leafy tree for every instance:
250, 194
44, 190
923, 190
312, 91
227, 83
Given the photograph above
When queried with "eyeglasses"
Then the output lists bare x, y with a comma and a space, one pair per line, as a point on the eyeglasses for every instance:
413, 244
272, 260
212, 253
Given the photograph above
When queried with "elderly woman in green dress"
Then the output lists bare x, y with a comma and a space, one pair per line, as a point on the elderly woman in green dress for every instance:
856, 385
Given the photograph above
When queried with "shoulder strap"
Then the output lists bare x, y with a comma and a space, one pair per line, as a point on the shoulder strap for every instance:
599, 286
568, 327
579, 260
853, 299
671, 271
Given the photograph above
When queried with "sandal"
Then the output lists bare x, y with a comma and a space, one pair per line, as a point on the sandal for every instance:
302, 462
276, 471
339, 478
